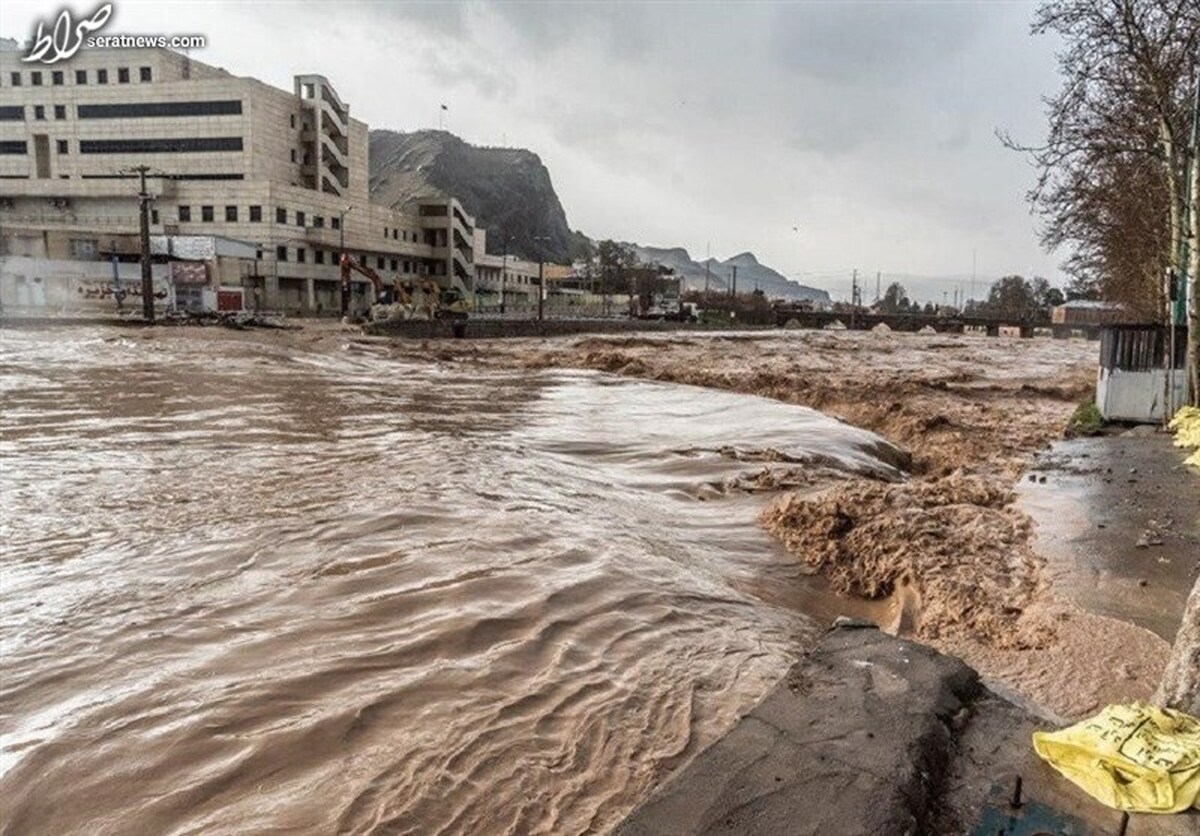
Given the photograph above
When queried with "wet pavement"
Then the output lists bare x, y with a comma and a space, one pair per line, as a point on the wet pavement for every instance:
1118, 521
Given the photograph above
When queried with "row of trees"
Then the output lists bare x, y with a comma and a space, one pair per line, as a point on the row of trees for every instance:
1012, 297
1119, 177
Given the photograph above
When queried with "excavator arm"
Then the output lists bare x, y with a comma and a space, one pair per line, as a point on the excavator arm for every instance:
349, 265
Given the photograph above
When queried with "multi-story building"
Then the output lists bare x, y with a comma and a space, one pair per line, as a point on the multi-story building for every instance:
227, 156
503, 282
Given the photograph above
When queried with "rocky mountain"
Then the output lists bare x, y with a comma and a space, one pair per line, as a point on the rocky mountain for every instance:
509, 189
503, 188
751, 274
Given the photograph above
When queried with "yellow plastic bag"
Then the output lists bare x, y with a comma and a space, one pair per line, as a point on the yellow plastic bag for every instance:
1132, 757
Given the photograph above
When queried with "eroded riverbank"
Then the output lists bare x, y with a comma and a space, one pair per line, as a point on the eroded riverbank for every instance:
951, 552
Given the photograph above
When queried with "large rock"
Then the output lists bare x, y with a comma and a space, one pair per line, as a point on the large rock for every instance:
848, 743
505, 189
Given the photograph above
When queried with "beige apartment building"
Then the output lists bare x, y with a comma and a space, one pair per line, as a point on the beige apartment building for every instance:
503, 282
228, 156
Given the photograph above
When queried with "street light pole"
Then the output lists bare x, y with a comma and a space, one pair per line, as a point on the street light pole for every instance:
504, 276
541, 242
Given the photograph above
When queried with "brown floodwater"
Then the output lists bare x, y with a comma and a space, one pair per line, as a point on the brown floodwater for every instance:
252, 588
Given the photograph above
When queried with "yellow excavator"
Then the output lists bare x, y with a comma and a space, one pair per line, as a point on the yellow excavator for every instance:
419, 298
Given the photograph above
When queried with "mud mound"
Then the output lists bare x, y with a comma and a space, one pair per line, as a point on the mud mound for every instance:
954, 549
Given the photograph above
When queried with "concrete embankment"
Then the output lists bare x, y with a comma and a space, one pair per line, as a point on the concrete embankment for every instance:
875, 735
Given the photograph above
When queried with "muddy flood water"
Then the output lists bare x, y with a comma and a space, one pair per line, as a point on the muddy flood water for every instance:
252, 588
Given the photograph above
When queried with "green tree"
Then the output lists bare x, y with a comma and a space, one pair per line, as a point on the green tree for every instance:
1011, 297
895, 299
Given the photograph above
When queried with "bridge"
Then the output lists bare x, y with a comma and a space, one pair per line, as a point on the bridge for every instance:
863, 320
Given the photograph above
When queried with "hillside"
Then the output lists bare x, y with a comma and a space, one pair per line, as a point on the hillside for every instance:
503, 188
510, 189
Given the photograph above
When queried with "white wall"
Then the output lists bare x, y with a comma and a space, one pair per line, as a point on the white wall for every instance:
45, 286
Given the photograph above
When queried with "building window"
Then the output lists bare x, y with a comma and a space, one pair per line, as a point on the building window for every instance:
280, 215
62, 147
13, 146
293, 155
185, 214
218, 107
85, 249
299, 219
379, 262
319, 221
319, 256
160, 146
255, 214
81, 76
231, 214
12, 113
122, 75
395, 234
143, 73
335, 223
301, 254
281, 253
35, 78
39, 112
154, 216
395, 265
102, 76
56, 78
206, 214
60, 111
16, 79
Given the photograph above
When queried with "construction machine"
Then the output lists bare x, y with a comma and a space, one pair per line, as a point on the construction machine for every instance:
406, 298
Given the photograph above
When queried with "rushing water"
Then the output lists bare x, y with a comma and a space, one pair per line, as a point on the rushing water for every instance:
253, 588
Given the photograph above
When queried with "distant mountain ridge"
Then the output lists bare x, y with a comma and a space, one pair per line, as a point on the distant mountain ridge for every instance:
751, 274
509, 191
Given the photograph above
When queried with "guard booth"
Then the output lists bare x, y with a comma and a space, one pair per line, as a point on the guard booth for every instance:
1133, 377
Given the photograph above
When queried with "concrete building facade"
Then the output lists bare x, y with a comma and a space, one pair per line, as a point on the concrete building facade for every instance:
228, 156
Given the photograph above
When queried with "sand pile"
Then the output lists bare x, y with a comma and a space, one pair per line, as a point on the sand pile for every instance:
953, 549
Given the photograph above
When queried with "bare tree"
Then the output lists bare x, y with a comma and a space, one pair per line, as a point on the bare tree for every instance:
1113, 172
1180, 686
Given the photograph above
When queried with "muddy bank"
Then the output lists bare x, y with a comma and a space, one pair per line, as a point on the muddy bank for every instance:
952, 554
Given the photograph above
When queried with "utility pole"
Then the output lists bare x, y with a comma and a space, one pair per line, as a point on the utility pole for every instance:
707, 264
878, 275
855, 295
144, 221
733, 287
974, 253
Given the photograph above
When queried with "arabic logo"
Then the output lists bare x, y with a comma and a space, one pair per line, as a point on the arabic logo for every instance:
65, 40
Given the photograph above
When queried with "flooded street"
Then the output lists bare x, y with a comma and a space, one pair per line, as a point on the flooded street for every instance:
253, 587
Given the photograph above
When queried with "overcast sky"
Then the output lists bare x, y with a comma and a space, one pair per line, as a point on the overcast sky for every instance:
870, 126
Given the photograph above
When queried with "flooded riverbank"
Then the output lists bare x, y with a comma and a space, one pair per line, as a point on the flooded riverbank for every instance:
953, 554
271, 585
